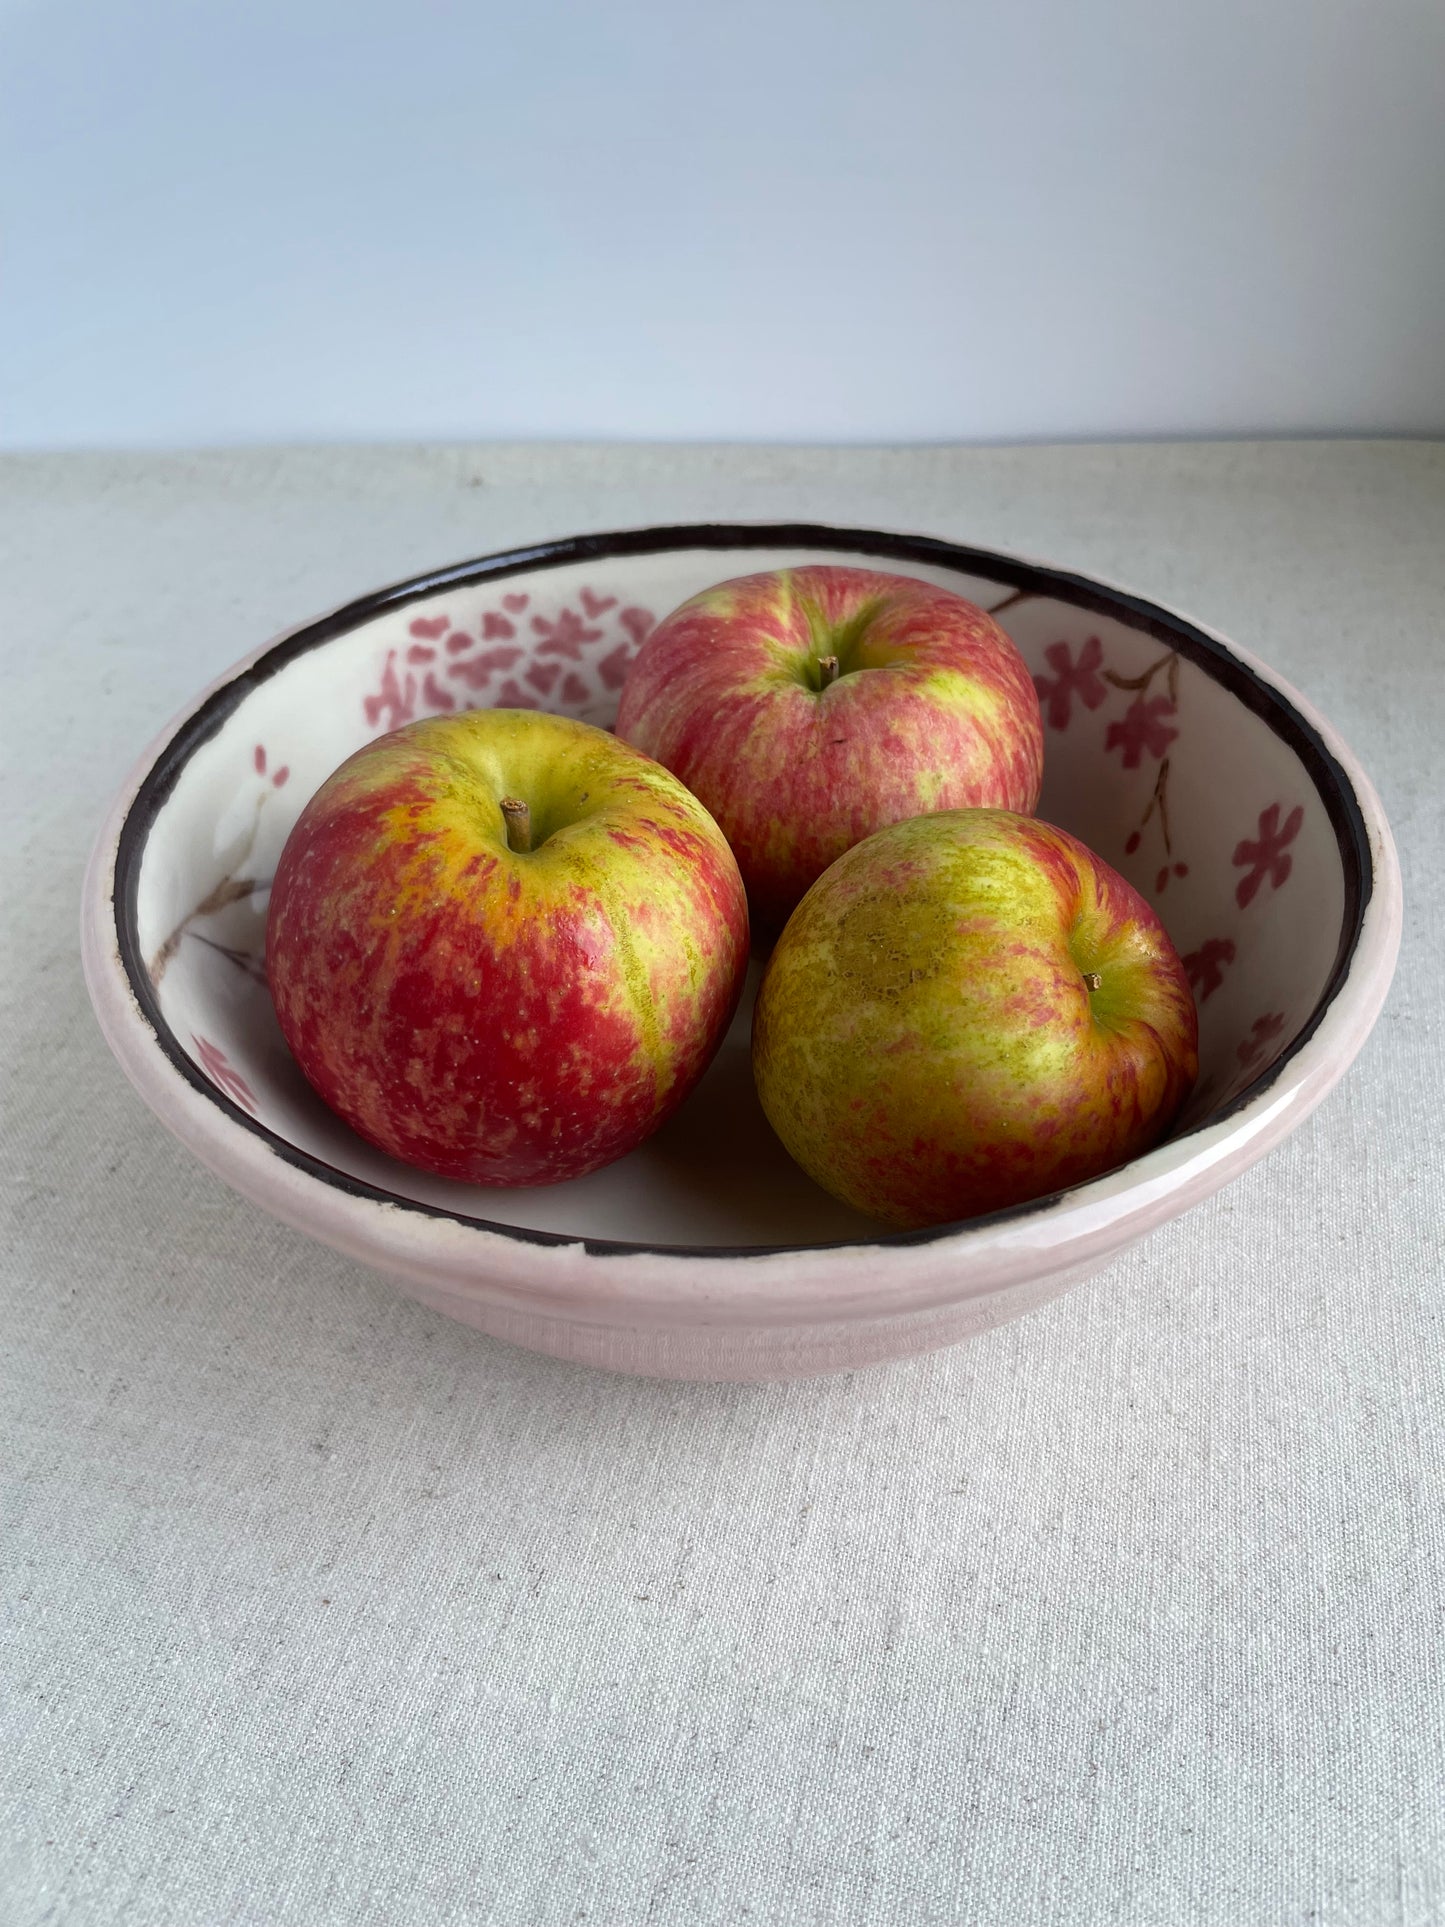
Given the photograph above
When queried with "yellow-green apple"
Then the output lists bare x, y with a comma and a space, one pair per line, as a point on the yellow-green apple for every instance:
810, 707
967, 1011
504, 945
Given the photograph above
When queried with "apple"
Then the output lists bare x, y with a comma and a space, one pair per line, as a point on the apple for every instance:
504, 945
967, 1011
809, 707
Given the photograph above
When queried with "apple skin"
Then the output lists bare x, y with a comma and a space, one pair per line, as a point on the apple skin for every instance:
495, 1016
925, 1042
932, 709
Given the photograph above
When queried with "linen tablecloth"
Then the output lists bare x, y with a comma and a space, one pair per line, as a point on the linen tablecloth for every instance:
319, 1609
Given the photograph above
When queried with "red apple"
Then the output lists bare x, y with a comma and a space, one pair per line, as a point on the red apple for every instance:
967, 1011
810, 707
504, 946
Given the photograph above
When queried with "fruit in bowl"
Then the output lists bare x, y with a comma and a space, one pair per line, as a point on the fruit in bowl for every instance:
504, 946
968, 1011
708, 1254
809, 707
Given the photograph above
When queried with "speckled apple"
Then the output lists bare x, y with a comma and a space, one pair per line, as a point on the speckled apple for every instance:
504, 945
810, 707
970, 1010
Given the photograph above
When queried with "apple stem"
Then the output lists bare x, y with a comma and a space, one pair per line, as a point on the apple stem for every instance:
519, 824
827, 670
1093, 980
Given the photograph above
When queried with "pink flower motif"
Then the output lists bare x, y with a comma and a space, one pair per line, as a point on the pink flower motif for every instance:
574, 690
1205, 966
637, 623
495, 624
613, 666
476, 671
430, 628
395, 700
1265, 855
278, 778
1262, 1034
1142, 727
434, 695
565, 636
597, 605
511, 695
214, 1063
1081, 679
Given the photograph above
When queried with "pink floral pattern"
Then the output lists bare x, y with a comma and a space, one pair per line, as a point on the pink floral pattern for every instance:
476, 671
1146, 727
214, 1062
578, 658
1266, 855
1206, 965
1142, 729
396, 698
511, 695
613, 668
514, 654
566, 636
1070, 679
278, 776
1262, 1034
1079, 679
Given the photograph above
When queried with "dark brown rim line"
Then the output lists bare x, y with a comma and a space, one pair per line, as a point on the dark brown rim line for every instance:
1276, 711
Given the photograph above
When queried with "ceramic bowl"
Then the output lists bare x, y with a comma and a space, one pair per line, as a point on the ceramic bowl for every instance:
707, 1254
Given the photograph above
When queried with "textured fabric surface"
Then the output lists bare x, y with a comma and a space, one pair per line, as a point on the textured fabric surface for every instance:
318, 1609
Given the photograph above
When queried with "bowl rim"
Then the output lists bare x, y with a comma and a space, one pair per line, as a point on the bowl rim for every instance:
111, 943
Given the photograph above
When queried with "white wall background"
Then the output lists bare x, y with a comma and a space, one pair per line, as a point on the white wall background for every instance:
825, 219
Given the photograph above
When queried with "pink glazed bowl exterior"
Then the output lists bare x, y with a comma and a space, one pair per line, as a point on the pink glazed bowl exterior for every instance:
706, 1255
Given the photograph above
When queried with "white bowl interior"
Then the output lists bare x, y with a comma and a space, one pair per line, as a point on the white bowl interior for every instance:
1169, 774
